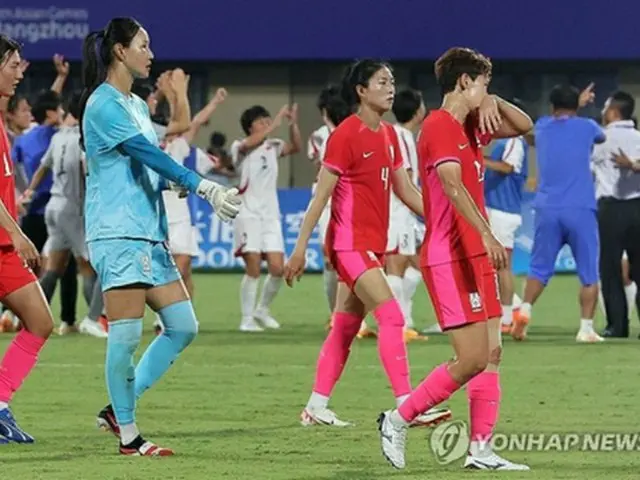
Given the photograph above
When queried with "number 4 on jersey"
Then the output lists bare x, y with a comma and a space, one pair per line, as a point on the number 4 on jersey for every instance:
384, 176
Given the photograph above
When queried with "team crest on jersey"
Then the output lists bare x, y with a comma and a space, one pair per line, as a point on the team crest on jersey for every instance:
146, 264
476, 301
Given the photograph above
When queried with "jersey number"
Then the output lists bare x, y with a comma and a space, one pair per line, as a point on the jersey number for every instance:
7, 166
478, 166
61, 170
384, 176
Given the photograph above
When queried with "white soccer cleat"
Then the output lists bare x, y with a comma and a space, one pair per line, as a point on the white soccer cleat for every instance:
492, 461
588, 336
93, 328
435, 328
393, 439
321, 416
432, 417
266, 319
248, 324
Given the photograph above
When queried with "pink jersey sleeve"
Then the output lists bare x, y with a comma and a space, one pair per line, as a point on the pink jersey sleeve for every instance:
338, 155
440, 143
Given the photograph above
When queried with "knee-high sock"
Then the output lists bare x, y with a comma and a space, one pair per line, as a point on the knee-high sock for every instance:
391, 346
18, 362
180, 328
270, 289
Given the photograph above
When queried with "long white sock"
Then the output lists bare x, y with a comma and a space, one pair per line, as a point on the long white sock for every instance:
270, 289
525, 309
330, 287
601, 299
410, 283
248, 292
507, 314
630, 292
128, 433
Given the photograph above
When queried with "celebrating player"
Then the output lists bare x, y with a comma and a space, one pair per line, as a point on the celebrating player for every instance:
361, 163
409, 110
258, 229
458, 252
506, 173
65, 222
19, 288
126, 223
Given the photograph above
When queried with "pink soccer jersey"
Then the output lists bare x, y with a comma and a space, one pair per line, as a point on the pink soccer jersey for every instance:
449, 236
364, 159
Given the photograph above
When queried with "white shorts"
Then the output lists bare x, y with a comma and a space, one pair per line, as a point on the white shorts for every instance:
183, 239
65, 233
504, 226
401, 239
256, 235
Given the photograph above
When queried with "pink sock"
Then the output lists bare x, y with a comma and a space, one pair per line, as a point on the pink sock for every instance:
391, 346
483, 392
434, 389
18, 361
335, 351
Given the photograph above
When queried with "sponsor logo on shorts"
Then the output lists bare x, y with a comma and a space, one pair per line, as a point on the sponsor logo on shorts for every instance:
476, 301
146, 264
372, 256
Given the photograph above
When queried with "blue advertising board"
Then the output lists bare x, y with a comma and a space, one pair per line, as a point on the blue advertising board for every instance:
216, 250
334, 29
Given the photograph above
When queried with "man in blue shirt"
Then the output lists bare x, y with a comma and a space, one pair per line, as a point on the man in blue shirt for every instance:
565, 205
28, 150
506, 172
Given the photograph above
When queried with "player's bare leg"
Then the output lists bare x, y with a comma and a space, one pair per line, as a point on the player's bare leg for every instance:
505, 284
588, 299
30, 305
249, 292
396, 265
484, 394
330, 280
532, 291
270, 288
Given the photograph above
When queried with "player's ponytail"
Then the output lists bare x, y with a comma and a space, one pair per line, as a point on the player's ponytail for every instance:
93, 72
97, 56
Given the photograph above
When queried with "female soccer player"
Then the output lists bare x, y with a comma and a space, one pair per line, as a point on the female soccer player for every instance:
19, 289
361, 163
258, 228
460, 254
126, 223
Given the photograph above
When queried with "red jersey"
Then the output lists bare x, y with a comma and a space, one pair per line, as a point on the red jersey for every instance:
7, 183
449, 237
365, 160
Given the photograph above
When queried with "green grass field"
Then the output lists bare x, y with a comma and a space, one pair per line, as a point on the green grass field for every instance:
230, 404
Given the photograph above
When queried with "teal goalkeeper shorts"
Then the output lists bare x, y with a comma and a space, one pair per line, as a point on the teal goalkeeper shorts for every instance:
124, 261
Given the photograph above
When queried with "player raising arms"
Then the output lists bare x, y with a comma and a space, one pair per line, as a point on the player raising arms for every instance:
258, 228
126, 223
19, 289
361, 164
458, 252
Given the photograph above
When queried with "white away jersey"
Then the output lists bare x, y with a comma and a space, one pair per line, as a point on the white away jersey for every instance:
407, 144
259, 178
317, 143
177, 208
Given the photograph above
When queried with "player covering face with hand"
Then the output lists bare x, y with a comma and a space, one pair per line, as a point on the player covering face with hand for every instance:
361, 164
126, 223
460, 254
